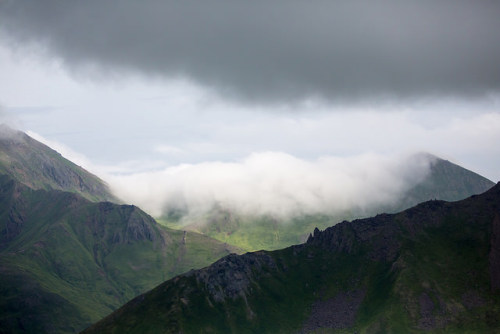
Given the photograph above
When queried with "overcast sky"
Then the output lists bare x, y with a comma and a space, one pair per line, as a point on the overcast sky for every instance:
128, 86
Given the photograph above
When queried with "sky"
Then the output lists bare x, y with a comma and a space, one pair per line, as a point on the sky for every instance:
133, 90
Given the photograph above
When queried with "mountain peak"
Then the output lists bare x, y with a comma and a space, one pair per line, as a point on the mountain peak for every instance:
40, 167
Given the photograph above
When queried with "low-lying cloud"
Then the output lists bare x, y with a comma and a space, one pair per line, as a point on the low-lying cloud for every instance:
273, 183
274, 50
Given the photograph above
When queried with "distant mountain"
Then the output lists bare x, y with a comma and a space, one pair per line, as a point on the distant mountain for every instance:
66, 262
40, 167
445, 181
432, 268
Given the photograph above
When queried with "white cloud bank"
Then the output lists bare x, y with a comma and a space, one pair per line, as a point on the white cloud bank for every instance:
265, 183
274, 183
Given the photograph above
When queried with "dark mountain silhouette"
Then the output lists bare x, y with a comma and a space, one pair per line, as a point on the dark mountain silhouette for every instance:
434, 267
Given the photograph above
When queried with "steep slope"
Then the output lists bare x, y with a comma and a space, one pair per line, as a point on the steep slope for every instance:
66, 262
445, 181
432, 268
39, 167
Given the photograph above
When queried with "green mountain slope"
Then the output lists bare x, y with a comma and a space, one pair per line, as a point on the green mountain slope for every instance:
66, 262
432, 268
39, 167
446, 181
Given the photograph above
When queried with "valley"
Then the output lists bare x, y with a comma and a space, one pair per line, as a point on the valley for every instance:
249, 167
71, 253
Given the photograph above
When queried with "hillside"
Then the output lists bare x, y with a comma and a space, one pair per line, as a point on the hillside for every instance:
39, 167
66, 262
445, 181
432, 268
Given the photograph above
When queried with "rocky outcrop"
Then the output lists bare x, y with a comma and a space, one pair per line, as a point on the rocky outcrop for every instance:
231, 276
140, 227
134, 225
378, 234
382, 234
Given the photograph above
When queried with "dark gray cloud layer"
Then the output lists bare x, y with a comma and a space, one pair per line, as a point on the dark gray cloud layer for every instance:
277, 50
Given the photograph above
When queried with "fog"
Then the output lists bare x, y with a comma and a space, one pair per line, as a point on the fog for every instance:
7, 132
274, 183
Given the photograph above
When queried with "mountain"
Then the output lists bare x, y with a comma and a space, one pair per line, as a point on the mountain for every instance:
432, 268
66, 262
445, 181
39, 167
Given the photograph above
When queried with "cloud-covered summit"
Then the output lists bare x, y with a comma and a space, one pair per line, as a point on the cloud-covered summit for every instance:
274, 51
275, 183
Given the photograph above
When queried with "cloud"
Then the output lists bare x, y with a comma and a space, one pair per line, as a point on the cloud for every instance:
275, 51
168, 149
274, 183
8, 122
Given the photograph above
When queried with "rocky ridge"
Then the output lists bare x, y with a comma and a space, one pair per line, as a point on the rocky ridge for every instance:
432, 267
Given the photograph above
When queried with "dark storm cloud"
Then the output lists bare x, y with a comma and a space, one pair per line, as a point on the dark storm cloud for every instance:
277, 50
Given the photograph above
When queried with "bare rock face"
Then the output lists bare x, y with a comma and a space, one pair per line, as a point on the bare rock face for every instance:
138, 227
230, 277
348, 237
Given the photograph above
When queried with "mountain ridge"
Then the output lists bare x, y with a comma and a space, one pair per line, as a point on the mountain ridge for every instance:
433, 267
40, 167
67, 259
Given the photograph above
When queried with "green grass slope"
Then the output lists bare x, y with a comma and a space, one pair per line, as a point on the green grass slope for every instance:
253, 233
446, 181
434, 268
66, 262
39, 167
